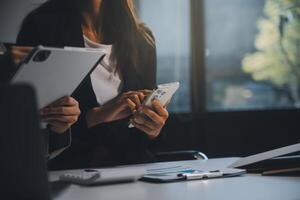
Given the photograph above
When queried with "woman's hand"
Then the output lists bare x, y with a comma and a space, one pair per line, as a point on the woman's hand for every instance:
61, 115
18, 53
151, 121
121, 107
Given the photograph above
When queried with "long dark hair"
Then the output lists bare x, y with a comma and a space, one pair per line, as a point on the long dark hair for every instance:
120, 26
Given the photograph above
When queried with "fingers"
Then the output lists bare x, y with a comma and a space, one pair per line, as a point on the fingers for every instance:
136, 99
67, 101
144, 121
128, 103
67, 111
64, 101
159, 109
151, 121
143, 128
134, 96
18, 57
60, 118
61, 114
66, 106
154, 117
146, 92
133, 99
19, 53
151, 132
130, 93
25, 49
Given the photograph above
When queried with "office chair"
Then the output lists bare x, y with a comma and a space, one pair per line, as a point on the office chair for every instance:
23, 169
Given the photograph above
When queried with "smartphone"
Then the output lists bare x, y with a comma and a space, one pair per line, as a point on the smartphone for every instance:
2, 49
163, 93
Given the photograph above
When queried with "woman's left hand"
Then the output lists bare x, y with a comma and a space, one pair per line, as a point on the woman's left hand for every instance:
61, 115
151, 121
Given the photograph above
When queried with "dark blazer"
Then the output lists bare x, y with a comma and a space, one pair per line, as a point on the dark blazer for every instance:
57, 23
7, 68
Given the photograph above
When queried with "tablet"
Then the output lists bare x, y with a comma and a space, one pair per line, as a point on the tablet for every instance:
57, 72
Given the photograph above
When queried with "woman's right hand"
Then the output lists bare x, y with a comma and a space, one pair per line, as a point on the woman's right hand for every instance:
119, 108
18, 53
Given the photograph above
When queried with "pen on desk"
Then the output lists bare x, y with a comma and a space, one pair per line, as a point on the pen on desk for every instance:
202, 175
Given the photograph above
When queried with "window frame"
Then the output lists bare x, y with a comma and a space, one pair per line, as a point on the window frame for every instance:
197, 70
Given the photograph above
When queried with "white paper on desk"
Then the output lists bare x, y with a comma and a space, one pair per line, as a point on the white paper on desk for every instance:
266, 155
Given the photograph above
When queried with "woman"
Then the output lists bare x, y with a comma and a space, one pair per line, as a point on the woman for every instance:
112, 95
59, 116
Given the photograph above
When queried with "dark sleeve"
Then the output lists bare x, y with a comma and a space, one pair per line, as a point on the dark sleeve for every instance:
7, 68
56, 143
128, 144
29, 32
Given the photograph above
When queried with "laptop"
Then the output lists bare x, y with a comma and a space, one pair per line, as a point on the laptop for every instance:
23, 172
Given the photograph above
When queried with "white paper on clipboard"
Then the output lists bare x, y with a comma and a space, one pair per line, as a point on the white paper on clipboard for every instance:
58, 73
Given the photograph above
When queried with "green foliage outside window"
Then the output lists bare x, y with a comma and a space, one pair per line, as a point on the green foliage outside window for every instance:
277, 58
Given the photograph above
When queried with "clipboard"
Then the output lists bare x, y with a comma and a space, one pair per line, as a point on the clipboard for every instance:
56, 72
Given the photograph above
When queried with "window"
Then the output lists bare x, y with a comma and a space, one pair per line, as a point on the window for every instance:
252, 54
12, 13
170, 22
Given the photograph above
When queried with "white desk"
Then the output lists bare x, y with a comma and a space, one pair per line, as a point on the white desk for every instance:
252, 187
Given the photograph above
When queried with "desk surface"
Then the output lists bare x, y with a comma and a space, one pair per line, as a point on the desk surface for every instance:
247, 187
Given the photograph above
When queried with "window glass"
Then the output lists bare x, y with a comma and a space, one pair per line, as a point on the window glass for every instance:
170, 22
12, 13
252, 54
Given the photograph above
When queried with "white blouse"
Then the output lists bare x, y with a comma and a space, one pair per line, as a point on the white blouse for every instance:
106, 82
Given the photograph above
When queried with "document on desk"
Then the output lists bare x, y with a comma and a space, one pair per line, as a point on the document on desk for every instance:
182, 173
266, 155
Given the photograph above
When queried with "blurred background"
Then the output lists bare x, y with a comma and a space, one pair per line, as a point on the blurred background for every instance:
245, 66
238, 63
